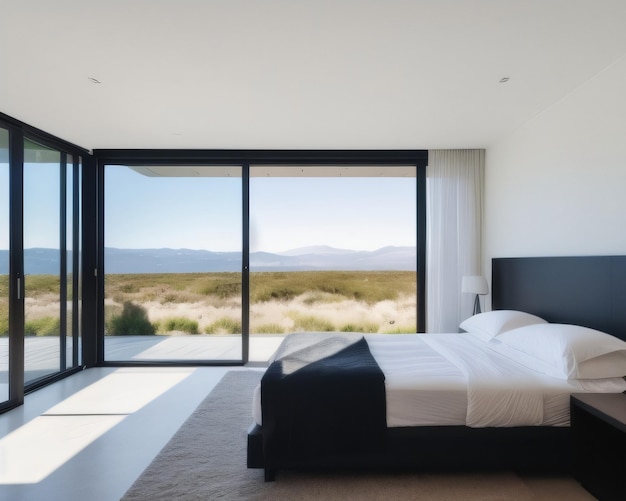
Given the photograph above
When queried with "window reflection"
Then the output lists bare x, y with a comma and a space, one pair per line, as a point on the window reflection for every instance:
4, 265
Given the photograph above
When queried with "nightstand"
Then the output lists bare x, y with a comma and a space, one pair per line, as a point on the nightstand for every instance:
598, 425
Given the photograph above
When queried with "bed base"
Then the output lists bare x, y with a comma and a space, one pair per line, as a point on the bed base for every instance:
537, 449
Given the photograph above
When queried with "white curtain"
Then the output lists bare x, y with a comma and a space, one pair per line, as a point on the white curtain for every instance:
454, 184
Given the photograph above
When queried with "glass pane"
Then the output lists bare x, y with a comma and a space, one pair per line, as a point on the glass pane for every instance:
75, 266
331, 249
41, 261
173, 263
72, 254
4, 265
69, 186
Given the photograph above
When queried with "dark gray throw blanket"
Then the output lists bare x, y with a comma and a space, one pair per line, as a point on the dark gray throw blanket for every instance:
322, 397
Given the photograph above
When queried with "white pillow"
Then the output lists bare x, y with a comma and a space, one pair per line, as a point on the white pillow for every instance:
570, 351
493, 323
605, 366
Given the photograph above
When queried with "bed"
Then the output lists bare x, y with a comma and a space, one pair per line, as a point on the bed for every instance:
495, 396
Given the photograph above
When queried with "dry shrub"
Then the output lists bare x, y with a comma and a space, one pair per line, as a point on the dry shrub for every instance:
224, 325
267, 329
179, 324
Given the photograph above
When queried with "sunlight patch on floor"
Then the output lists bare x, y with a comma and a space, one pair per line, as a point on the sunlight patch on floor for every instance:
39, 447
34, 451
122, 392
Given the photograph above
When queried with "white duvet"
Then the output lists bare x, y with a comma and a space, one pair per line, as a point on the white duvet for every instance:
456, 379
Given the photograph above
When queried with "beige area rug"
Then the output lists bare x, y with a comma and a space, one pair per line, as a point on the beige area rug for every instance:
206, 460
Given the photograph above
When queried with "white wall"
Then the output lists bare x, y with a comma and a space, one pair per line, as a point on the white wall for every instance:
557, 186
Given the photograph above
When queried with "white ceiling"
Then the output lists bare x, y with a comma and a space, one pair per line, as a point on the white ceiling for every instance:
291, 74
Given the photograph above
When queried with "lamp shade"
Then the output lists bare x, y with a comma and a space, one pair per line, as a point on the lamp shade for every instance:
475, 284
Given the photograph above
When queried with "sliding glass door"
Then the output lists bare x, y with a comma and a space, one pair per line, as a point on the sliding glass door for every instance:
40, 259
51, 255
213, 257
42, 282
173, 264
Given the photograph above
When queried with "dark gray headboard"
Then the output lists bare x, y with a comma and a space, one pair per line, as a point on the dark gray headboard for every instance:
589, 290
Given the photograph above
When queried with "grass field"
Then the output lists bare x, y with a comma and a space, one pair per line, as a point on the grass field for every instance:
210, 303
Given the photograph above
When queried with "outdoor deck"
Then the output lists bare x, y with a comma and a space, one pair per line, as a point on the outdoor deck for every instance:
42, 353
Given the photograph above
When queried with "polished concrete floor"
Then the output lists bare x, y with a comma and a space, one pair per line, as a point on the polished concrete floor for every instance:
91, 435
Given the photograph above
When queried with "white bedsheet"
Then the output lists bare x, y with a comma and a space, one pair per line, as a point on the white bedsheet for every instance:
422, 386
500, 392
456, 379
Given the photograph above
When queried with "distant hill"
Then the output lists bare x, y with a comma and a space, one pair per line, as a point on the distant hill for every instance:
38, 261
45, 261
315, 249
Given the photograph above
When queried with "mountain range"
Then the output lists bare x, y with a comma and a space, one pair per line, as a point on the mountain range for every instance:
46, 261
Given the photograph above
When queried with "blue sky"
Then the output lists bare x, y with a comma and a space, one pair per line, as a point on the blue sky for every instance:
205, 212
286, 213
350, 213
41, 206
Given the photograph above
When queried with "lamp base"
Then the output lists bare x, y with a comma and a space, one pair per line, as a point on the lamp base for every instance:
476, 305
